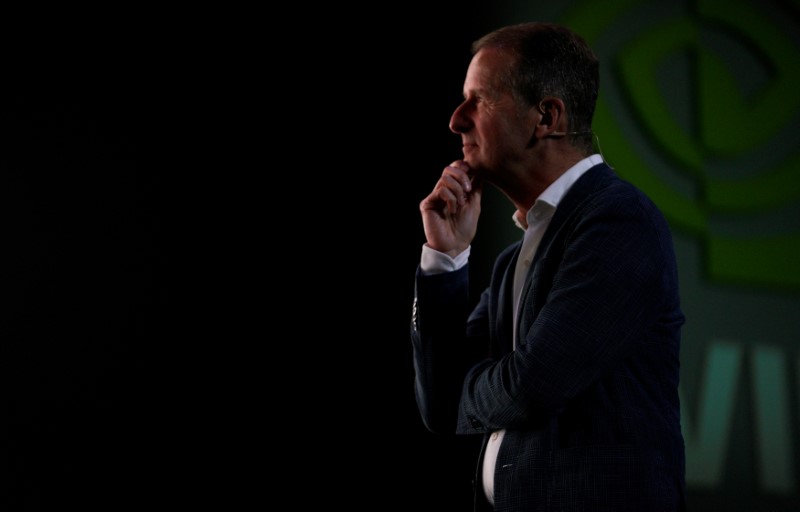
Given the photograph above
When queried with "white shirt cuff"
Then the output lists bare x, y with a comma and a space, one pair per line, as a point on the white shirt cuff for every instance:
435, 262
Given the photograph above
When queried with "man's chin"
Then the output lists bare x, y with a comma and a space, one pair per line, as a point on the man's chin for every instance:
480, 174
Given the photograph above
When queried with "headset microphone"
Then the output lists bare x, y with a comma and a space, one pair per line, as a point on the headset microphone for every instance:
561, 134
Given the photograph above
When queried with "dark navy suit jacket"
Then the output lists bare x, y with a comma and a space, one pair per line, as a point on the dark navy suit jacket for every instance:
589, 398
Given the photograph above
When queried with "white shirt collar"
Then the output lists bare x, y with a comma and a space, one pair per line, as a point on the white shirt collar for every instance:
547, 202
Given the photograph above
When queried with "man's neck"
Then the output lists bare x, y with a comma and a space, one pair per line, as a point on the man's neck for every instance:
533, 180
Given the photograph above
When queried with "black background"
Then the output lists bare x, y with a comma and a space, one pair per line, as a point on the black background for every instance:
213, 232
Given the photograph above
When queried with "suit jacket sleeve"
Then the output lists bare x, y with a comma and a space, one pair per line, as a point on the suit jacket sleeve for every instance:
444, 345
448, 339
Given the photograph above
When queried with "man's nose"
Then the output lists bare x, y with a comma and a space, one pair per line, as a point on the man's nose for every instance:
459, 121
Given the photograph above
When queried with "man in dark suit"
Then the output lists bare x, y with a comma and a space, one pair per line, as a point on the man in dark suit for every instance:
569, 363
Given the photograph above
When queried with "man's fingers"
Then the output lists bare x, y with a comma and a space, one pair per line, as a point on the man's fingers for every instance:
442, 199
456, 187
452, 191
460, 172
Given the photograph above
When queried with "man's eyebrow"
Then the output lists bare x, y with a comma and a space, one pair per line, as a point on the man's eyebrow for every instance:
481, 91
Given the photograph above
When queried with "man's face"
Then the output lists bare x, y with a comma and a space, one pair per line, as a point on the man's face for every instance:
494, 129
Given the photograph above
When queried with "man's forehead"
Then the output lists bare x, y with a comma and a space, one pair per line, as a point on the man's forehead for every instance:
485, 70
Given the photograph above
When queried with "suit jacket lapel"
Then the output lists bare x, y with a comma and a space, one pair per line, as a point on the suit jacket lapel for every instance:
592, 179
505, 305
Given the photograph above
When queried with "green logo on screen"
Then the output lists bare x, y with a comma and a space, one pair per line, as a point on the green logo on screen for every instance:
699, 107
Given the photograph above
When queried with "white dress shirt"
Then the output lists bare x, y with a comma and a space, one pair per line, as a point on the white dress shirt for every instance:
537, 218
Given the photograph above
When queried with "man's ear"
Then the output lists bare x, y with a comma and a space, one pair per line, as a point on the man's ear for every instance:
553, 121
